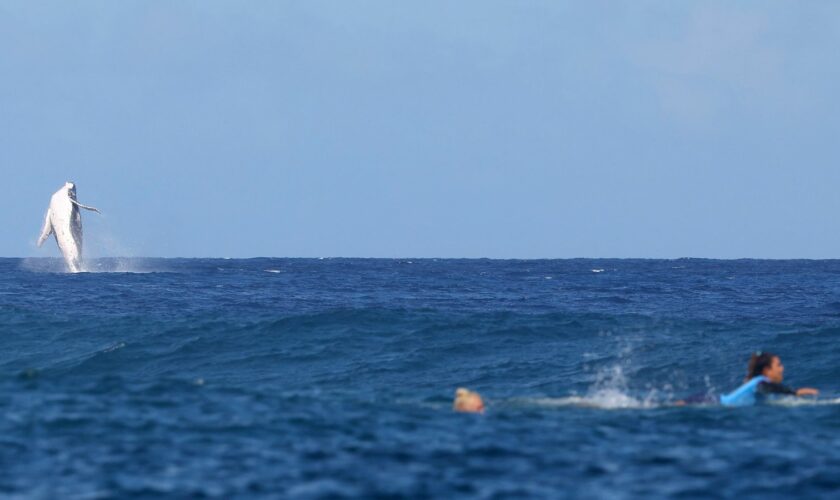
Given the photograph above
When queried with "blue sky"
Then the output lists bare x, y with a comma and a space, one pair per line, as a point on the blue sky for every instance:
425, 129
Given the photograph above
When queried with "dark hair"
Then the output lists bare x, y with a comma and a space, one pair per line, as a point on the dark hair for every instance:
758, 362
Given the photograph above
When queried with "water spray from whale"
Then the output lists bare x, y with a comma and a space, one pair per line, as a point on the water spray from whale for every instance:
64, 219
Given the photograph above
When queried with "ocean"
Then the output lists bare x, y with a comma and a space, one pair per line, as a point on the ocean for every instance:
332, 378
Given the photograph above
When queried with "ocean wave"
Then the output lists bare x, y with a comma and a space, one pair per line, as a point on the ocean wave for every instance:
406, 343
214, 377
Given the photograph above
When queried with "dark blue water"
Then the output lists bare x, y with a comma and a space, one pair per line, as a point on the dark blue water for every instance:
314, 378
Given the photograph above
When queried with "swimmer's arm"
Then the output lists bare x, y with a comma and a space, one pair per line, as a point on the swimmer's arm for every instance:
774, 388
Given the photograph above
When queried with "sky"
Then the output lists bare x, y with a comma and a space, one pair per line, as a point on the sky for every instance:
501, 129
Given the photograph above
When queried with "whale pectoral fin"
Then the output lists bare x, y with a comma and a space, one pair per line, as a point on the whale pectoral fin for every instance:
85, 207
47, 230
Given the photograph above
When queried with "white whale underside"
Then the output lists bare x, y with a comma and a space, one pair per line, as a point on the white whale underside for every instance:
64, 219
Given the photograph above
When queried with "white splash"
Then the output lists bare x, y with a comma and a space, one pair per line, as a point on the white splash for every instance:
803, 401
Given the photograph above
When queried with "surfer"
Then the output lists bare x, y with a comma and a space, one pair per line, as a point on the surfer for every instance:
765, 373
770, 365
467, 401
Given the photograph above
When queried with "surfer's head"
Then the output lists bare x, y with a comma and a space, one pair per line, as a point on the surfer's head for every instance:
767, 364
468, 401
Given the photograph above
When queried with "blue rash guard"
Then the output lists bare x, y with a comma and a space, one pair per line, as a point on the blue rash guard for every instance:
747, 394
744, 395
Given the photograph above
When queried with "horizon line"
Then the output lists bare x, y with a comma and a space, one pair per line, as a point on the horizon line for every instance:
431, 258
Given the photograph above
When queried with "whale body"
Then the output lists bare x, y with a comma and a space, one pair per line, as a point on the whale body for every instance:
64, 219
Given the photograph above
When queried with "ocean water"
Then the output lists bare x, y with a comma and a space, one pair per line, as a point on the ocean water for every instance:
326, 378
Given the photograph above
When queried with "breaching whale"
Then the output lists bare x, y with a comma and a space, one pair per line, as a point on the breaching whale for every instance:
65, 220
